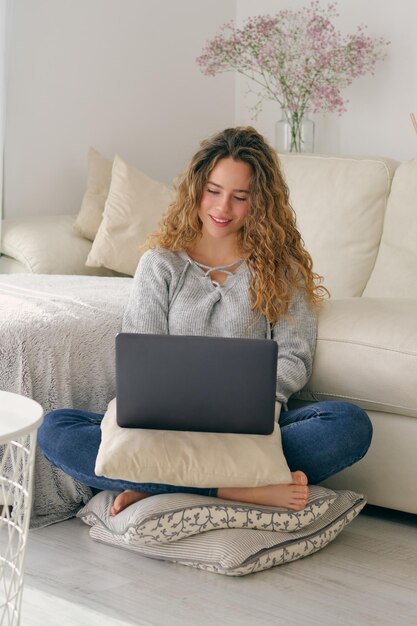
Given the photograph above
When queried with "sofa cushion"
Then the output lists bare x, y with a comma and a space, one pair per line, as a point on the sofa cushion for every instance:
95, 196
340, 204
395, 272
133, 208
8, 265
244, 541
367, 353
189, 458
47, 245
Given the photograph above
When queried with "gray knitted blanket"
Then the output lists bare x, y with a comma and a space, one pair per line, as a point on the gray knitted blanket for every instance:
57, 347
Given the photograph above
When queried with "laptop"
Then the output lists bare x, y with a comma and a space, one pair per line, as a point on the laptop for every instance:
204, 384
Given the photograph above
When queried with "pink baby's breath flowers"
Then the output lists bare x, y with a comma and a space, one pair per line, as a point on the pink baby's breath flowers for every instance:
296, 58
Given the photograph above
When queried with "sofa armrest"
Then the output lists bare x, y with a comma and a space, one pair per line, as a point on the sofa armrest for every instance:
47, 245
367, 354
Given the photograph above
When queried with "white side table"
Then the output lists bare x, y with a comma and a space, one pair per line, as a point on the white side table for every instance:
20, 419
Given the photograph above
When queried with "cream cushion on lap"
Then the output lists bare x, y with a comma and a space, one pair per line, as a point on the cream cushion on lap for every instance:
132, 211
98, 185
190, 459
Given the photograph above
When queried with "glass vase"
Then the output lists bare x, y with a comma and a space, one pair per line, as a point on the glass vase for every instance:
294, 132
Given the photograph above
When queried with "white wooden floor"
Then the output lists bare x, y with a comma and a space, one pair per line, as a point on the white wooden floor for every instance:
367, 576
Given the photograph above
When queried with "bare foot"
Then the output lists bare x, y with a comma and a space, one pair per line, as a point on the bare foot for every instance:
127, 498
291, 496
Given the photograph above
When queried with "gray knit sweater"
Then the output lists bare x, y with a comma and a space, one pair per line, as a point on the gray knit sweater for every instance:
171, 294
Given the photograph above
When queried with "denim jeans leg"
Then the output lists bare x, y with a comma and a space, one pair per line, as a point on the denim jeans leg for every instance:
324, 438
70, 440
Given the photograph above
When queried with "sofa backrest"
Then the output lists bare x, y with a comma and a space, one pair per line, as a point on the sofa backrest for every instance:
395, 271
340, 204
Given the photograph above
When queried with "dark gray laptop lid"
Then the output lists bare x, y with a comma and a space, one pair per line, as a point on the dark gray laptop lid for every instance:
211, 384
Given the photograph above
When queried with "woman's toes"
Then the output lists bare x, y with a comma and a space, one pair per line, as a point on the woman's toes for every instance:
298, 505
125, 499
299, 478
116, 508
301, 495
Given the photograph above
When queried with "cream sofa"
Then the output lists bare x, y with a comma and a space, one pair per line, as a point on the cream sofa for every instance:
358, 218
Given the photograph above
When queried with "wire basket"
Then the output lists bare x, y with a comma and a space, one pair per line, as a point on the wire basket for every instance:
17, 458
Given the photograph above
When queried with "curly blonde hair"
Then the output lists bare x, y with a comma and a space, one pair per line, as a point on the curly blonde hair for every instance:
269, 240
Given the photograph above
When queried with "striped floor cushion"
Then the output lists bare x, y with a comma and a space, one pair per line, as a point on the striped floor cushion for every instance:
221, 536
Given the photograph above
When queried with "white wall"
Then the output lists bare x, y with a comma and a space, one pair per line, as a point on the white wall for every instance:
121, 75
377, 120
4, 13
116, 74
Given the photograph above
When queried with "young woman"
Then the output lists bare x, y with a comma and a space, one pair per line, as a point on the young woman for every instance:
229, 261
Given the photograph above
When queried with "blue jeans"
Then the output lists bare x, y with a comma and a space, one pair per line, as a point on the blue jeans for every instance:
320, 439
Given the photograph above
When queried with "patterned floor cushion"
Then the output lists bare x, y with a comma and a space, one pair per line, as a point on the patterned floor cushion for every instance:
221, 536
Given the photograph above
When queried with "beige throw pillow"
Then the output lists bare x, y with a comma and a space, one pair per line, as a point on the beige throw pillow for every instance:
133, 208
340, 205
189, 459
98, 185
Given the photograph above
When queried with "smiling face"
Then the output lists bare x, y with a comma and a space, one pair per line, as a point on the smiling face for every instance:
225, 201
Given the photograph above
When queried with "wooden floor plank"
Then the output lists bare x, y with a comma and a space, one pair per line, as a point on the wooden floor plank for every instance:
366, 577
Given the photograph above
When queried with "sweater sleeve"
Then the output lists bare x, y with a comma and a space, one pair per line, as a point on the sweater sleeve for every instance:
148, 304
296, 340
